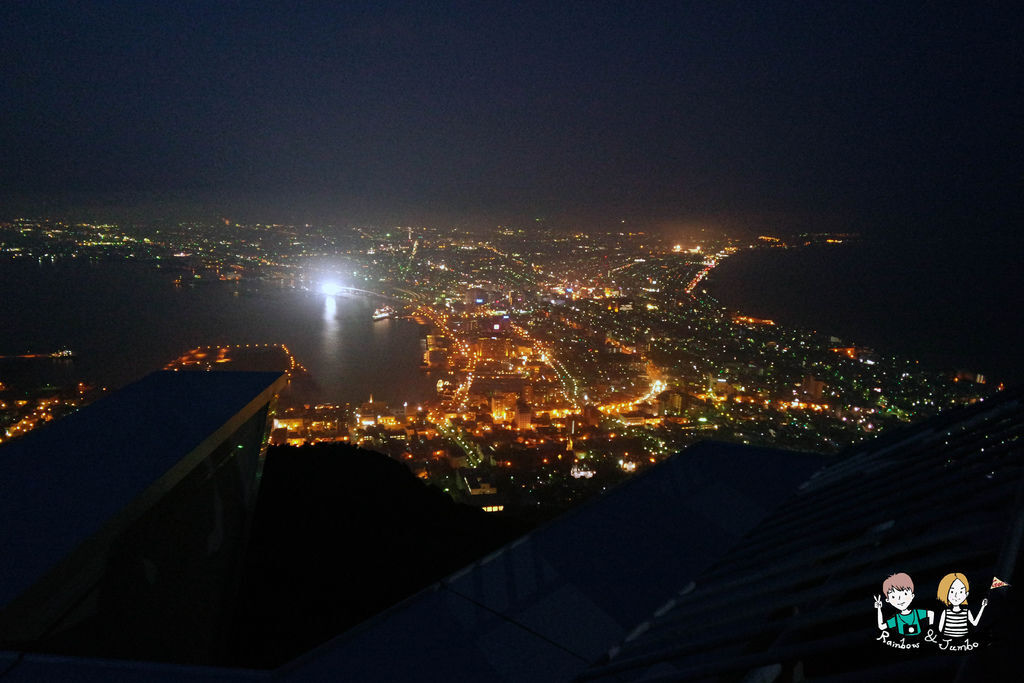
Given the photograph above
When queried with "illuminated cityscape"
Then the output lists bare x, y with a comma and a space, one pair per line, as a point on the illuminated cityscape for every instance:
562, 362
524, 342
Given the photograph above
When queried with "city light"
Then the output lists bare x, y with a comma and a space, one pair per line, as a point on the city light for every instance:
534, 348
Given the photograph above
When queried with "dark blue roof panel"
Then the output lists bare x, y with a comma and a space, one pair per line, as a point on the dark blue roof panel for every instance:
543, 607
56, 496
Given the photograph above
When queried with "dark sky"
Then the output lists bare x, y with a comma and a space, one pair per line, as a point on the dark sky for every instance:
843, 115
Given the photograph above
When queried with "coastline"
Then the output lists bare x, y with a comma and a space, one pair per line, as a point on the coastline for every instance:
913, 300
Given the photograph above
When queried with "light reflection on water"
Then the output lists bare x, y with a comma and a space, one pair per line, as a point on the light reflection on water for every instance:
329, 336
330, 309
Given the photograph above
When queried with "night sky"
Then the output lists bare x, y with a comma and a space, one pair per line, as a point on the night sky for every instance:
813, 114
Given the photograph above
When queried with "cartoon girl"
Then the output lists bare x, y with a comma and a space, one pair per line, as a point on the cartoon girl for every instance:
953, 591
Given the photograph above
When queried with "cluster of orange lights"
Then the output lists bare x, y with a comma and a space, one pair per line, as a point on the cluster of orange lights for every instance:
800, 405
201, 355
752, 321
699, 276
768, 403
38, 416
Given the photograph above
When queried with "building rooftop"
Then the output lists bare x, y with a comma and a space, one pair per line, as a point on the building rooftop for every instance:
550, 603
74, 485
794, 598
722, 563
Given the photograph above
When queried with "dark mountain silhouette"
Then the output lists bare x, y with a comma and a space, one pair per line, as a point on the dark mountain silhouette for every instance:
340, 534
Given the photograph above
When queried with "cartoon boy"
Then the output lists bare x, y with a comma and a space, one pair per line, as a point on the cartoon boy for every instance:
898, 590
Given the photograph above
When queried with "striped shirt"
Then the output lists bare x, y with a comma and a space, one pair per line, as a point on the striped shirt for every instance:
955, 624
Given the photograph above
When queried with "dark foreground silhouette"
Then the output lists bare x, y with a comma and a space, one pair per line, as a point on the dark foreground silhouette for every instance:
339, 535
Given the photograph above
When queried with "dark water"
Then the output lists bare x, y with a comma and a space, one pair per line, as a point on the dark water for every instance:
125, 320
950, 305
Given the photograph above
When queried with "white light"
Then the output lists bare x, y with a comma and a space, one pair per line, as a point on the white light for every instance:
331, 288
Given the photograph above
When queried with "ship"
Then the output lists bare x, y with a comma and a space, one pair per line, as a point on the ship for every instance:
59, 354
383, 313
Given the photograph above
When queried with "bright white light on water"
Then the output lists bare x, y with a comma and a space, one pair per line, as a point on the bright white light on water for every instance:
330, 309
331, 288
